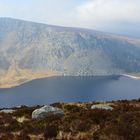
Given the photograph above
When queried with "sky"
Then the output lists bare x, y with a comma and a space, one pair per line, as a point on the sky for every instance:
115, 16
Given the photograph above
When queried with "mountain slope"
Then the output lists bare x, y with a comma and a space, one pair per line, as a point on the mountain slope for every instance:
43, 49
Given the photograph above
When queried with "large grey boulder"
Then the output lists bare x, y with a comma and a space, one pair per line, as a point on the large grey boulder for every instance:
102, 107
46, 111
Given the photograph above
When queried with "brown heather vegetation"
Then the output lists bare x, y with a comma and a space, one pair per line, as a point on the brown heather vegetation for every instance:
78, 123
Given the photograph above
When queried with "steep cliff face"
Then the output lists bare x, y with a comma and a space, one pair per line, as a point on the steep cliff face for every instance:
39, 47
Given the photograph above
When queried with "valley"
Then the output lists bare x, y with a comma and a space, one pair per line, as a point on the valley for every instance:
16, 76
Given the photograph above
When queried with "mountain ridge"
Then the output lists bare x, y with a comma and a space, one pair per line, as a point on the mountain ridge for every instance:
39, 50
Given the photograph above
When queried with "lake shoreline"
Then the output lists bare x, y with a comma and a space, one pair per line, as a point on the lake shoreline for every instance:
131, 76
8, 86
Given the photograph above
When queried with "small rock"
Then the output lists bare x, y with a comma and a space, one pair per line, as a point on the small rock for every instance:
21, 119
46, 111
102, 106
7, 111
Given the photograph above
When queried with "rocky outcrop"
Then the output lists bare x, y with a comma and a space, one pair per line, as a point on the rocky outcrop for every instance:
102, 106
46, 111
7, 111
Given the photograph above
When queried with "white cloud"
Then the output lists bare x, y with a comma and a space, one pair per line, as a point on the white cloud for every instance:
118, 16
95, 13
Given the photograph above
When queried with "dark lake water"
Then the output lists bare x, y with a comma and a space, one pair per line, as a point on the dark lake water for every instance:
70, 89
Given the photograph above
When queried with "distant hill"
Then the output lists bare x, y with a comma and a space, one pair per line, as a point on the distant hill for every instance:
32, 50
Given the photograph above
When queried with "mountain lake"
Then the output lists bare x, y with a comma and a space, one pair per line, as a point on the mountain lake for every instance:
70, 89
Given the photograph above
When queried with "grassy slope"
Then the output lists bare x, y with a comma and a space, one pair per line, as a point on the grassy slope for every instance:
16, 76
79, 122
